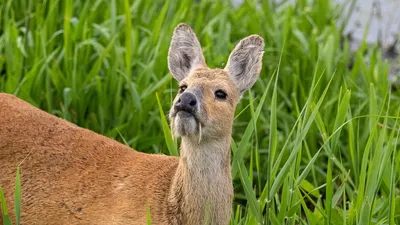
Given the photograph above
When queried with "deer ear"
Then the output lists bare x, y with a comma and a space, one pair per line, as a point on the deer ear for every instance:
244, 63
184, 52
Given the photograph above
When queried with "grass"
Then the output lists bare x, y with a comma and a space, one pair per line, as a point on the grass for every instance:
315, 141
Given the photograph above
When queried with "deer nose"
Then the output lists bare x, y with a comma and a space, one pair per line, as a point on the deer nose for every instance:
186, 102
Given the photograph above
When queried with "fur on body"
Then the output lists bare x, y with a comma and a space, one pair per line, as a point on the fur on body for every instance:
71, 175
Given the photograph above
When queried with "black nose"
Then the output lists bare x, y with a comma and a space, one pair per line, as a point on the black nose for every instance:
186, 102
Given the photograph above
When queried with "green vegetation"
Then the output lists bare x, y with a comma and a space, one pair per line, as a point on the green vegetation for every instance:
315, 141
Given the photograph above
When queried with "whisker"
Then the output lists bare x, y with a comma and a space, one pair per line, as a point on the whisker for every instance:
200, 133
172, 130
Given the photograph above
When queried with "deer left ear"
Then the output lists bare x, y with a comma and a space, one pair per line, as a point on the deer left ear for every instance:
245, 62
184, 52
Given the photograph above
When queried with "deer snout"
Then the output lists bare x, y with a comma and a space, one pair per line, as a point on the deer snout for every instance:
186, 102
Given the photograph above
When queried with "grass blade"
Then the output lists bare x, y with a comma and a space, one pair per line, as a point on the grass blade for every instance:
17, 197
171, 144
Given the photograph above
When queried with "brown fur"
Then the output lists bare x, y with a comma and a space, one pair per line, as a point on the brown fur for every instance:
71, 175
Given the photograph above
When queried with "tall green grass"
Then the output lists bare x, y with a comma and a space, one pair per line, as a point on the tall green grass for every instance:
315, 141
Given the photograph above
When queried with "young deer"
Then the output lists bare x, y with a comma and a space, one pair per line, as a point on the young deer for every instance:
71, 175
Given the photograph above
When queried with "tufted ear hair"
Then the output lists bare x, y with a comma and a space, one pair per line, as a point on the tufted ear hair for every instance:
245, 62
184, 52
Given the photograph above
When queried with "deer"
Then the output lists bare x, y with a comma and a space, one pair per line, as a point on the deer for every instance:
71, 175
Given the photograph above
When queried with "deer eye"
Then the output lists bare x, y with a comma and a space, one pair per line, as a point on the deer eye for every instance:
220, 94
182, 88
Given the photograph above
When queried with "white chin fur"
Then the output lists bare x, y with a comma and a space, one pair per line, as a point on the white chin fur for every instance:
185, 124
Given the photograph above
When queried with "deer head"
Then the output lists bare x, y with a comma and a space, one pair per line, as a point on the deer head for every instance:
204, 107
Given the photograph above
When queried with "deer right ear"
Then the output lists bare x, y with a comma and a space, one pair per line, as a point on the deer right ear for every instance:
244, 63
184, 52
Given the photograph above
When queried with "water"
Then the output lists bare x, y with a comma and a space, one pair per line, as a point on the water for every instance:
384, 19
383, 16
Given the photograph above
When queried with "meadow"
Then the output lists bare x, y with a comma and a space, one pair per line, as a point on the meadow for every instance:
315, 141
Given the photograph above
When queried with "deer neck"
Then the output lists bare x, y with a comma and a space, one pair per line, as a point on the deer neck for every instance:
202, 190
